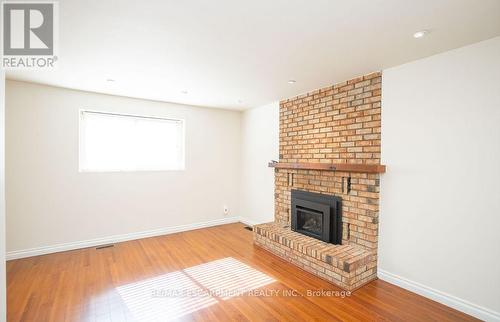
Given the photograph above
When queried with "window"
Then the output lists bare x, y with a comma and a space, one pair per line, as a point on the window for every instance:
114, 142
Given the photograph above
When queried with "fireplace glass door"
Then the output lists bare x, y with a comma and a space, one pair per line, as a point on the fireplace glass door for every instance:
310, 220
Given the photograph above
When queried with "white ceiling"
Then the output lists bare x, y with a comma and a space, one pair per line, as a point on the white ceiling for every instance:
240, 54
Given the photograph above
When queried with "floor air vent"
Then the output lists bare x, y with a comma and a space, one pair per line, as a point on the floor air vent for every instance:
105, 246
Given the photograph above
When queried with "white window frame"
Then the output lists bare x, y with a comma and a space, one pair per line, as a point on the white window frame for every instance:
99, 111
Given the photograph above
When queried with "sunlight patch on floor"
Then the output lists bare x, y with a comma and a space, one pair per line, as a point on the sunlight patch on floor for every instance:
178, 293
142, 302
228, 277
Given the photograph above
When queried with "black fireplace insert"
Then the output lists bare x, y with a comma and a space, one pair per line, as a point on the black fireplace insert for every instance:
317, 215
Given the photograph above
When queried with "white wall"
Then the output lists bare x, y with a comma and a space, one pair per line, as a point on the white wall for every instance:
260, 144
49, 202
440, 197
3, 311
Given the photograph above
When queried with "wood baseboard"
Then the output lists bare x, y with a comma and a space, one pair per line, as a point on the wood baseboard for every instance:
441, 297
115, 239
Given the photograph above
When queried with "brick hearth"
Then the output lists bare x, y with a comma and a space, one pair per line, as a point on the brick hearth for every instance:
336, 124
343, 265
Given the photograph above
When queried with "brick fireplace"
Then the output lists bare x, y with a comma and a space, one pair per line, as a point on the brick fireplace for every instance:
330, 145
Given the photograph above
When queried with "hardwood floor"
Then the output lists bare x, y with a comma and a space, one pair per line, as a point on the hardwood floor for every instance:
181, 276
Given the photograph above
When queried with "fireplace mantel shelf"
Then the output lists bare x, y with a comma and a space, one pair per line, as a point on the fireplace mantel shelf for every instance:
345, 167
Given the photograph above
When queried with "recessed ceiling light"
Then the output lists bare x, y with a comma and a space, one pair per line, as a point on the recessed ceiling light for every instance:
292, 81
420, 34
110, 80
184, 92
